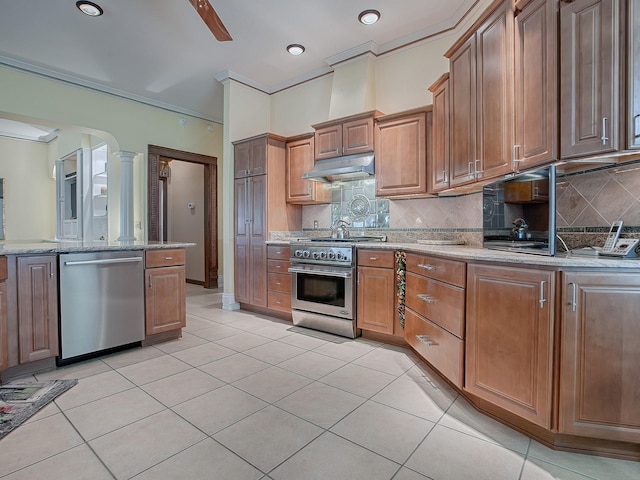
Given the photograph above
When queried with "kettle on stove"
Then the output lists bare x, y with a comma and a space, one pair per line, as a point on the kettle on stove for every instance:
339, 230
520, 230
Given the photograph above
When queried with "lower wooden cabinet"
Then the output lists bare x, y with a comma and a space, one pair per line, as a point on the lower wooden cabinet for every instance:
278, 278
37, 307
509, 342
600, 352
4, 332
376, 292
165, 304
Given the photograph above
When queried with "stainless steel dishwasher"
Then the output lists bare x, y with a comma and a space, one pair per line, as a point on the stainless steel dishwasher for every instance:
101, 301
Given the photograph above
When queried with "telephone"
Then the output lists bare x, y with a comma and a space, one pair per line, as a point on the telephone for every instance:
624, 247
612, 238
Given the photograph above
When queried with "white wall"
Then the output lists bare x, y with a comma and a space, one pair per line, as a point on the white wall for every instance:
184, 224
30, 206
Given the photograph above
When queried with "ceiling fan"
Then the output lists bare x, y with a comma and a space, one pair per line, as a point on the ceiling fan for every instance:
211, 19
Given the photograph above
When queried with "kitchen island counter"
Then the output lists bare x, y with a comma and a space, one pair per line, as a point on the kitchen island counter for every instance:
34, 248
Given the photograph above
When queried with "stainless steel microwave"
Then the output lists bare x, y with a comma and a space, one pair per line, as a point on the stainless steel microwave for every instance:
519, 212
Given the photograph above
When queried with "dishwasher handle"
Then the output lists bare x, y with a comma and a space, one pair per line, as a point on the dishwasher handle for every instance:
105, 261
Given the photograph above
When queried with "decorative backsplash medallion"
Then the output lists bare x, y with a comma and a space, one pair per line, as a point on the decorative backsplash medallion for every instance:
356, 202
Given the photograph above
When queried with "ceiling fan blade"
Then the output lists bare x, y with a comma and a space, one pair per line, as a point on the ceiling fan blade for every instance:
211, 19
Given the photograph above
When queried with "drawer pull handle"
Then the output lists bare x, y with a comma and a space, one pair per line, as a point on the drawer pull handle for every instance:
425, 298
373, 259
278, 302
574, 297
278, 283
168, 258
278, 252
425, 340
278, 266
542, 299
426, 266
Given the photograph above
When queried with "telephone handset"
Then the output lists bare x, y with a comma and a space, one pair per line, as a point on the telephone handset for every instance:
612, 238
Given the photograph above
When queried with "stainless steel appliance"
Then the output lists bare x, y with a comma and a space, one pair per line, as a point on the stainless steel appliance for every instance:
101, 301
323, 294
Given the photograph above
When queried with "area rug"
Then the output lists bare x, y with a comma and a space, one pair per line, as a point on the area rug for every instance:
19, 400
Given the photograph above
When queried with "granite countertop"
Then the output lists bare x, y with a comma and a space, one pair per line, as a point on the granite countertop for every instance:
66, 247
468, 253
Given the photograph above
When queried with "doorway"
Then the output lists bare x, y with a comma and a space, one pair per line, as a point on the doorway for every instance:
157, 201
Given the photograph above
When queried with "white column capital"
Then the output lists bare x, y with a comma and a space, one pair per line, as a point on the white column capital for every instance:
124, 155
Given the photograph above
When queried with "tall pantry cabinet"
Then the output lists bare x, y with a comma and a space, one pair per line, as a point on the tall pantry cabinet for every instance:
260, 207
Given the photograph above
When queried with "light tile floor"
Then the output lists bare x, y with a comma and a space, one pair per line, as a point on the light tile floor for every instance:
243, 396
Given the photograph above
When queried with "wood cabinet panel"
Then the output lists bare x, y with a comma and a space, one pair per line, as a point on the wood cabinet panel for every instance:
401, 155
448, 271
37, 308
439, 302
280, 301
278, 252
250, 158
278, 278
300, 159
328, 142
4, 331
345, 136
357, 136
509, 342
599, 381
376, 306
437, 346
279, 282
438, 158
164, 258
165, 303
633, 75
589, 76
376, 258
536, 84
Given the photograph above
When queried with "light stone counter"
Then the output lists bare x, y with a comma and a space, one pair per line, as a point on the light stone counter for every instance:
66, 247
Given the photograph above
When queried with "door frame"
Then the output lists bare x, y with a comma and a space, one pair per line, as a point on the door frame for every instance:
154, 153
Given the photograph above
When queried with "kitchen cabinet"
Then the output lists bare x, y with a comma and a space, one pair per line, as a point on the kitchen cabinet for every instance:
37, 307
299, 159
345, 136
435, 312
536, 83
536, 191
260, 207
401, 153
590, 44
4, 330
250, 158
633, 75
278, 278
481, 99
509, 343
600, 352
438, 164
165, 303
376, 292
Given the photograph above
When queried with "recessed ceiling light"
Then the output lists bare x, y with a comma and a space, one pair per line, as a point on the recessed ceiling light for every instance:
369, 17
89, 8
295, 49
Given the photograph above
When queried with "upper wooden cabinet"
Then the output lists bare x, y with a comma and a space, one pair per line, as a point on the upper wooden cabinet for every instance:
633, 75
250, 158
509, 344
600, 354
481, 99
345, 136
536, 83
590, 43
401, 142
438, 163
299, 159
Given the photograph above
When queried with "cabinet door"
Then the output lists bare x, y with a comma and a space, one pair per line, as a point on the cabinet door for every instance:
328, 142
357, 136
633, 77
299, 159
462, 81
258, 250
241, 159
599, 380
242, 240
401, 156
589, 75
536, 80
376, 305
37, 308
509, 339
494, 50
165, 304
4, 345
250, 158
439, 157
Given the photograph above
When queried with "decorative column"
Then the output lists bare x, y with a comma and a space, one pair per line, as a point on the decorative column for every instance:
126, 196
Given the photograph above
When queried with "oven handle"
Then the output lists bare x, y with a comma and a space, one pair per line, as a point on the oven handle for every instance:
320, 272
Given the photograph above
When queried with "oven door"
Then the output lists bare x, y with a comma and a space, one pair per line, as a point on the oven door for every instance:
323, 289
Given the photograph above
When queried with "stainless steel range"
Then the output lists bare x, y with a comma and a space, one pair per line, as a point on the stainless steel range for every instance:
323, 294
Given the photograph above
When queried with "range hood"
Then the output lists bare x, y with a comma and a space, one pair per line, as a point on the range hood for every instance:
350, 167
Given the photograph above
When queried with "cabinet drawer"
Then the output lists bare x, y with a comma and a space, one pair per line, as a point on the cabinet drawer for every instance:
164, 257
279, 282
437, 346
376, 258
449, 271
3, 268
278, 266
278, 252
279, 301
440, 302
